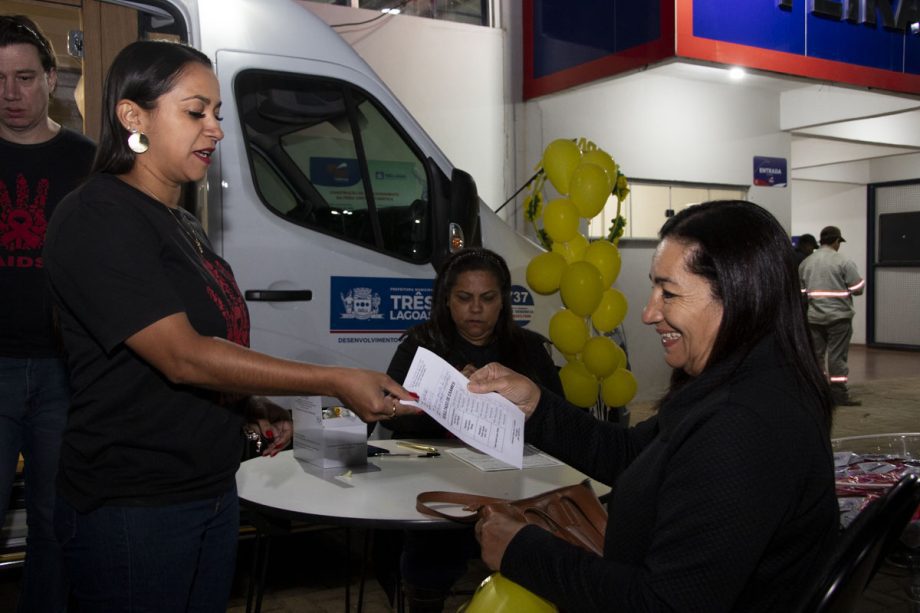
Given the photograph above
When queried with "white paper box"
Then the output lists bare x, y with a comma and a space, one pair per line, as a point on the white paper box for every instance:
330, 442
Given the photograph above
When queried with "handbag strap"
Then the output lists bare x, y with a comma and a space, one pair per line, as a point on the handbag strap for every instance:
470, 502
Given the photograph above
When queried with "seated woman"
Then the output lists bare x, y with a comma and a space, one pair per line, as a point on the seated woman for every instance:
471, 325
724, 500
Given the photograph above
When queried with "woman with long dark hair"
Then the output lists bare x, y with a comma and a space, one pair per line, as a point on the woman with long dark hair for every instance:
157, 333
723, 500
471, 325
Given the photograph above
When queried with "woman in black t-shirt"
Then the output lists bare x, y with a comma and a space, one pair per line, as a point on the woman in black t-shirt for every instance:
471, 325
156, 333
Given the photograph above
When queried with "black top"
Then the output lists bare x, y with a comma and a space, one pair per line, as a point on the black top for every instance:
799, 256
723, 501
540, 368
33, 179
118, 262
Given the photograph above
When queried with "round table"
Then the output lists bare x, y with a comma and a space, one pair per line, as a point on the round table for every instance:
382, 493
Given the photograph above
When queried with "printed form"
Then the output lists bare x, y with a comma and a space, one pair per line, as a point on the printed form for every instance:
487, 422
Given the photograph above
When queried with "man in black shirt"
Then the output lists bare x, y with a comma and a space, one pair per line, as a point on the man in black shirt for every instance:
40, 162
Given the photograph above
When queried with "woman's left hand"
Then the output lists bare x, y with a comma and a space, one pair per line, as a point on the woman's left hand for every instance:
494, 531
272, 421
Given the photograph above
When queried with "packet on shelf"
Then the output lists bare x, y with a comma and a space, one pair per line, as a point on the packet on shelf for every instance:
330, 437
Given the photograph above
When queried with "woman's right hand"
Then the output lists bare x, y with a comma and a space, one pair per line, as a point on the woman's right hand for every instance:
372, 395
517, 388
494, 531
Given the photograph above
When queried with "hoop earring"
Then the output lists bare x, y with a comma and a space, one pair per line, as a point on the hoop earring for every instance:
138, 141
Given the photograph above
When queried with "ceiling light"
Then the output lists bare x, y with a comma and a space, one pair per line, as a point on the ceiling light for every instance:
736, 73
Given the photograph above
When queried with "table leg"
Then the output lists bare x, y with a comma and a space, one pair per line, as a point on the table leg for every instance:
256, 588
367, 546
347, 570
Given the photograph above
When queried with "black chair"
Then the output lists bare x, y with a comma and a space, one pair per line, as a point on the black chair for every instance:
863, 547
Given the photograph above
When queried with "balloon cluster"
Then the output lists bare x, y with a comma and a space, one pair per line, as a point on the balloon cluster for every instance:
583, 273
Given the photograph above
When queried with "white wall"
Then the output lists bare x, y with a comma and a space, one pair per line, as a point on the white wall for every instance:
816, 204
660, 127
896, 168
839, 198
451, 78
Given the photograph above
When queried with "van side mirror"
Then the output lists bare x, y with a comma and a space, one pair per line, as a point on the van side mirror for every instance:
464, 206
454, 205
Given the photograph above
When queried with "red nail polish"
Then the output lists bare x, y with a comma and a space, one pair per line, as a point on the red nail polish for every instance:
269, 434
414, 395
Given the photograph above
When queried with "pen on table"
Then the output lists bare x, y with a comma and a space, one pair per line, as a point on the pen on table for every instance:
416, 446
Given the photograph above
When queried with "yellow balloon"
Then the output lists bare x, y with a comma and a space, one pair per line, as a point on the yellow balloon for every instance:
544, 272
581, 288
559, 161
579, 384
619, 388
497, 594
606, 257
589, 189
560, 220
603, 159
611, 310
568, 331
601, 357
573, 250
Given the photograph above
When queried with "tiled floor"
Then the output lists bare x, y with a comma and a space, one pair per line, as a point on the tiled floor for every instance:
308, 571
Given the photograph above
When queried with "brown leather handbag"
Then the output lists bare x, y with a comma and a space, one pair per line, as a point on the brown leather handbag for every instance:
572, 513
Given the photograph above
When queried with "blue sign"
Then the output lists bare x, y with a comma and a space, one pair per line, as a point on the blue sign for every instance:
568, 33
378, 304
569, 43
863, 42
870, 43
334, 172
769, 172
871, 37
522, 305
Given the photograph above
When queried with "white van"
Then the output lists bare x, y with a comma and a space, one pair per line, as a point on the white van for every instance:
328, 199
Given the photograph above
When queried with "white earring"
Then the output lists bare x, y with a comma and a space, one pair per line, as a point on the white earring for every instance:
138, 141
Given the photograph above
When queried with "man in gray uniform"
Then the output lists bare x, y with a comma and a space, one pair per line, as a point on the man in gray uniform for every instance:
830, 281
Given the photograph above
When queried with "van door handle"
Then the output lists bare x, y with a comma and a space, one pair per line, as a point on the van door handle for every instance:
276, 295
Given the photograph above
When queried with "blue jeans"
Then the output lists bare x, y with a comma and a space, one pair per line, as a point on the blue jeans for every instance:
168, 559
34, 399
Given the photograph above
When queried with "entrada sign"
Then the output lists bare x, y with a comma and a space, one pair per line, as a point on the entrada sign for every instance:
864, 11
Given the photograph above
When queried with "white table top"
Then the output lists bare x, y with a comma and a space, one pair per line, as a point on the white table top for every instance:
382, 494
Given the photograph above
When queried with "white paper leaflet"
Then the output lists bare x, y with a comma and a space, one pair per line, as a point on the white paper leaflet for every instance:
487, 422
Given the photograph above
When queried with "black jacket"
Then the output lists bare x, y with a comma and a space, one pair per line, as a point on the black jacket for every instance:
723, 501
